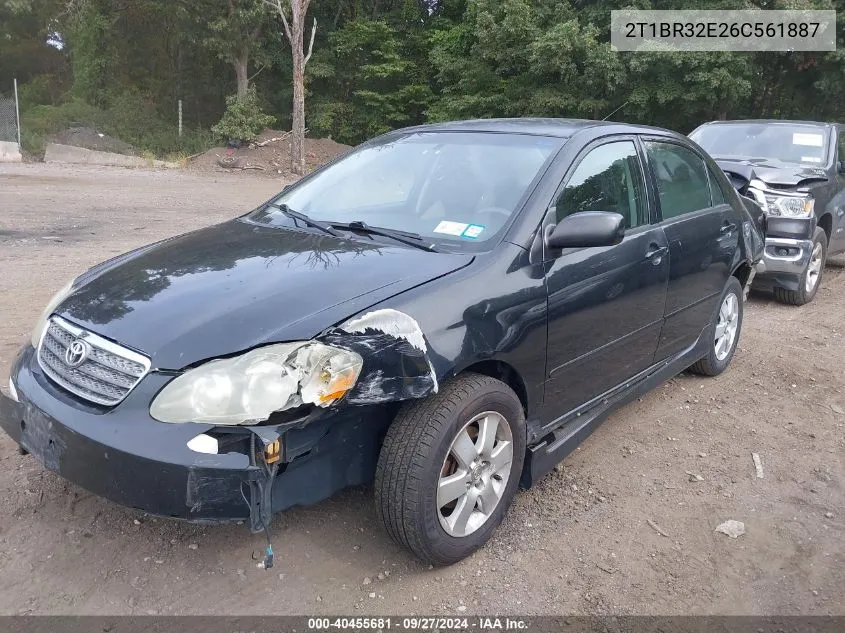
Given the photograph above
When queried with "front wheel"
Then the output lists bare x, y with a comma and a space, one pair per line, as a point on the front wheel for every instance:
450, 467
724, 331
811, 279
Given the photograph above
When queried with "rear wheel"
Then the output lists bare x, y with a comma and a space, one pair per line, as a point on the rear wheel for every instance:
449, 468
811, 279
724, 331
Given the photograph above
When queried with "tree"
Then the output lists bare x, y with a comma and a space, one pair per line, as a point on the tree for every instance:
123, 65
235, 35
23, 50
365, 83
295, 31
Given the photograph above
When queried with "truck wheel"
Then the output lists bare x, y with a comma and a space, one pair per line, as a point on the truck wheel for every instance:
724, 332
449, 468
810, 281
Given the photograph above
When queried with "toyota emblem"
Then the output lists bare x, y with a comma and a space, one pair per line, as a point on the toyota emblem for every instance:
76, 353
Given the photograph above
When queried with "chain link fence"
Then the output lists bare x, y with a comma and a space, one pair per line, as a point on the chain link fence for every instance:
10, 134
8, 120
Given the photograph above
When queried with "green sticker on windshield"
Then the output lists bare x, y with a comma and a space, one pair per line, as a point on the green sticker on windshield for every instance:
473, 231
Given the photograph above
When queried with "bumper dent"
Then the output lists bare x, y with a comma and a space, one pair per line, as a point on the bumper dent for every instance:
125, 456
784, 256
185, 491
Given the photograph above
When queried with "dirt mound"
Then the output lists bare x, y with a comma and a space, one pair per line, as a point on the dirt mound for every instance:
92, 139
268, 154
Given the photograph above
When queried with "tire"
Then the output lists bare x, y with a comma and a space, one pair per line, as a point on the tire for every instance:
811, 278
229, 162
418, 455
729, 311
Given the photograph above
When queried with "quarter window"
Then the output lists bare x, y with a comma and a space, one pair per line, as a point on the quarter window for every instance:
681, 179
607, 179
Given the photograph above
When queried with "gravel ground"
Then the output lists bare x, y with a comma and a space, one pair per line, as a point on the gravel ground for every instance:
624, 526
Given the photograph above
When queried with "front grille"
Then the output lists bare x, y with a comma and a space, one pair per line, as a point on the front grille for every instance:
103, 373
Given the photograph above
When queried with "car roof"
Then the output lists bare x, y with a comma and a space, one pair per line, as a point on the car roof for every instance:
562, 128
770, 122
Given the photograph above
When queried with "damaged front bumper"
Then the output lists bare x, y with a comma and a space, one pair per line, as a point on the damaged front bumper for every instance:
126, 456
783, 263
789, 246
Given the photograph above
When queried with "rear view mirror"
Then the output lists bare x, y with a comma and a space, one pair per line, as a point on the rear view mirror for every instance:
589, 228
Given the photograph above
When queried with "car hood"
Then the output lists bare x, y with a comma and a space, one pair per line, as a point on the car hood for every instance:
782, 174
237, 285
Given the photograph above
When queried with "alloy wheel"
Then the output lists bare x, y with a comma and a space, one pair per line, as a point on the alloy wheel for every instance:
474, 474
727, 326
814, 268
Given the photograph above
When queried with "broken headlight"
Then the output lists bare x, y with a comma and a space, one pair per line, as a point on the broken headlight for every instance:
796, 206
247, 389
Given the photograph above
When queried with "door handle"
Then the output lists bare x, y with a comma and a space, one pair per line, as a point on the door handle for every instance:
727, 228
655, 253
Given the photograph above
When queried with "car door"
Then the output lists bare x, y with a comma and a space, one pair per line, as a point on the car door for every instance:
605, 304
703, 234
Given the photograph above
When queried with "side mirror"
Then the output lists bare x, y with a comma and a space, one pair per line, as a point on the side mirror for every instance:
588, 228
841, 166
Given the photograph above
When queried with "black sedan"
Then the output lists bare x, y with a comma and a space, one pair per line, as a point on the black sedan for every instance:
448, 310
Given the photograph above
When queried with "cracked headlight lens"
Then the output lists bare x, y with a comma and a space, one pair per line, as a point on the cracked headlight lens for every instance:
62, 294
248, 388
789, 206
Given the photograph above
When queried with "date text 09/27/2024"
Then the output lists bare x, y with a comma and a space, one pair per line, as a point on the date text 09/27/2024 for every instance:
484, 623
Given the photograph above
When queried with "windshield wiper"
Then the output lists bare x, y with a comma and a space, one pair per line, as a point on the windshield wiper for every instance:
296, 215
411, 239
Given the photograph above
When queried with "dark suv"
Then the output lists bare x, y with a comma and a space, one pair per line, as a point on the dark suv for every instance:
448, 310
794, 171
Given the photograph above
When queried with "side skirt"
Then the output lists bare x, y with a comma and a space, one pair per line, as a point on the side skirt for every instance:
577, 427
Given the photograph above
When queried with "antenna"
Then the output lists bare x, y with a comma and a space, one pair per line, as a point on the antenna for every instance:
615, 111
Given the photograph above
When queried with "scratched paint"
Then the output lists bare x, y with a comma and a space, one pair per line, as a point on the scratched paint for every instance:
391, 322
396, 362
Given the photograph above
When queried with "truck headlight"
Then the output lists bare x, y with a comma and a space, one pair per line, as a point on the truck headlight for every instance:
248, 388
785, 206
63, 293
790, 206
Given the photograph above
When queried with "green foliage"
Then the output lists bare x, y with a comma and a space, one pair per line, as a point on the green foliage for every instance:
40, 90
578, 75
688, 88
40, 122
382, 64
131, 120
227, 27
511, 58
243, 119
372, 87
93, 56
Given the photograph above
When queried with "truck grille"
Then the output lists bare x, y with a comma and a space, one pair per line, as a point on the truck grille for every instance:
88, 365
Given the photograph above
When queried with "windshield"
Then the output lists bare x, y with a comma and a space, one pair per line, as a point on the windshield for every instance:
445, 186
787, 143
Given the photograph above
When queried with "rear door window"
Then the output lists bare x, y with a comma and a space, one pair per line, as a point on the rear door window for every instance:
681, 178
